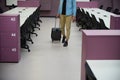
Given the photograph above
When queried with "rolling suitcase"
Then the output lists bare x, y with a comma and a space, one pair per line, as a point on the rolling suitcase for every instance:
55, 33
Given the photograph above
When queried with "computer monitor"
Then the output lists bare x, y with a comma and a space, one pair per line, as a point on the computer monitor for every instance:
11, 2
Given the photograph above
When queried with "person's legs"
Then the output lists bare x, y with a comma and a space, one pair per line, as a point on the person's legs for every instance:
68, 26
62, 24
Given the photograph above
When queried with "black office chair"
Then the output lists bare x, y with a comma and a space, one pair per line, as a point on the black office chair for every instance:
94, 22
23, 39
101, 7
1, 10
88, 24
80, 18
83, 19
116, 11
102, 24
77, 16
109, 9
26, 27
12, 6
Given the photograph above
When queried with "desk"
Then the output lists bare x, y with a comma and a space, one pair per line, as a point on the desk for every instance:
99, 13
10, 23
105, 69
24, 12
100, 45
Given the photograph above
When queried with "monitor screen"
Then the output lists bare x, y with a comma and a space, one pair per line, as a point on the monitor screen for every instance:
11, 2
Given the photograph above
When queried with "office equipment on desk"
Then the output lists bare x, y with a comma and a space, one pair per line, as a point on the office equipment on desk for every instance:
105, 69
98, 12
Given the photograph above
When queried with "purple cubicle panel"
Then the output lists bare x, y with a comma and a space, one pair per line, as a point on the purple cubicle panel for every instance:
29, 3
6, 21
115, 22
101, 44
92, 4
83, 72
9, 38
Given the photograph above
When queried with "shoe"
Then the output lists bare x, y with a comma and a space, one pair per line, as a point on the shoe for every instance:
63, 40
65, 44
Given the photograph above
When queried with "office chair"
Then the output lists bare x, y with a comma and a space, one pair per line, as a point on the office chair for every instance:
94, 22
83, 19
23, 39
116, 11
26, 30
89, 21
101, 7
78, 17
109, 9
1, 10
12, 6
102, 24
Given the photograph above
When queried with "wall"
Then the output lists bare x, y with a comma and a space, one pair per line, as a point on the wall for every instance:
116, 4
111, 3
29, 3
52, 11
3, 5
92, 4
106, 3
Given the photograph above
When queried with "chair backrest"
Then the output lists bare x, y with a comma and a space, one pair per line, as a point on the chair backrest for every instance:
88, 15
102, 24
116, 11
109, 9
93, 17
94, 22
101, 7
1, 10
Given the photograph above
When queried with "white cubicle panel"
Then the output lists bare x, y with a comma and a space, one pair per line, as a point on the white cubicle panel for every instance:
105, 69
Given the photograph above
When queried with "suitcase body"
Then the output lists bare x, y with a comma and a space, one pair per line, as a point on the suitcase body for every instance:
56, 34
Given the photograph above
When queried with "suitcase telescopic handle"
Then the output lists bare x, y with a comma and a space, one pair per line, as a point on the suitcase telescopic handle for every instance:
56, 21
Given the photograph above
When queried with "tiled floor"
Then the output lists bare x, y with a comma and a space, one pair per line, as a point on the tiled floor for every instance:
47, 60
